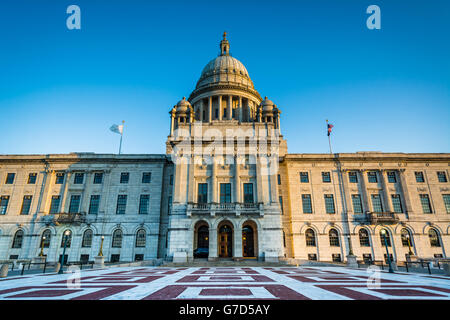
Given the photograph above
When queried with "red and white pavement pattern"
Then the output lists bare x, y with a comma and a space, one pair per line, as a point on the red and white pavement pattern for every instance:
286, 283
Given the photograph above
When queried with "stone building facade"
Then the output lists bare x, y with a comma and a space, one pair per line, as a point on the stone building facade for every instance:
226, 188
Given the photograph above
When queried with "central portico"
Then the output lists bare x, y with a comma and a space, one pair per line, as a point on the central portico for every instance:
225, 142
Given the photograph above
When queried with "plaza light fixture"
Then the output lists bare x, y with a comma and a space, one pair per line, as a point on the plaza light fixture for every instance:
41, 254
66, 237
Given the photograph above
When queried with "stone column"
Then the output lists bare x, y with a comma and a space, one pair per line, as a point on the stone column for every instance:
230, 107
202, 108
237, 180
387, 201
259, 180
191, 182
240, 109
67, 177
219, 104
237, 237
172, 122
212, 244
365, 196
347, 195
210, 109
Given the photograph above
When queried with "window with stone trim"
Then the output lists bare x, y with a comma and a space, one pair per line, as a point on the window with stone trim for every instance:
329, 203
248, 193
59, 179
32, 178
426, 204
419, 176
87, 239
397, 203
352, 177
121, 204
377, 205
306, 203
74, 205
98, 177
304, 178
140, 238
79, 178
434, 238
326, 177
202, 196
310, 237
18, 239
26, 205
94, 204
357, 204
10, 178
364, 240
146, 177
144, 204
117, 239
372, 177
225, 193
124, 177
442, 177
4, 201
446, 198
392, 178
334, 238
54, 204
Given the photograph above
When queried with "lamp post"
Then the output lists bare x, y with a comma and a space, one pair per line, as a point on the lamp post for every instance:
410, 253
66, 237
41, 254
100, 253
383, 232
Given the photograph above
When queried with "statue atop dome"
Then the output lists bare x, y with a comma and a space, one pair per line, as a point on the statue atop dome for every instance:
224, 45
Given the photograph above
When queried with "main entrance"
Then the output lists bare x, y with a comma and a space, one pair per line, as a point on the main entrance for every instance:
225, 241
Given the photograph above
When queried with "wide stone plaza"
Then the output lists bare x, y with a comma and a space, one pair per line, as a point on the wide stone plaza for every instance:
217, 283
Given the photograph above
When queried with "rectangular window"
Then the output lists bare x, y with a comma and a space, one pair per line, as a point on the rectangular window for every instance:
419, 176
59, 178
391, 177
98, 178
225, 193
306, 203
26, 205
441, 176
74, 205
202, 196
336, 257
352, 177
54, 205
10, 178
426, 204
115, 258
79, 177
397, 203
377, 206
367, 258
248, 192
280, 198
357, 203
326, 177
279, 179
124, 177
372, 177
146, 177
312, 256
94, 204
446, 198
304, 178
4, 200
32, 178
121, 203
144, 203
329, 203
138, 257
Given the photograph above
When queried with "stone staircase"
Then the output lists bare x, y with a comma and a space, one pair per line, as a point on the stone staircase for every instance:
227, 263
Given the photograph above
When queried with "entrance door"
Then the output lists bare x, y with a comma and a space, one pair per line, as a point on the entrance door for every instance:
248, 248
225, 242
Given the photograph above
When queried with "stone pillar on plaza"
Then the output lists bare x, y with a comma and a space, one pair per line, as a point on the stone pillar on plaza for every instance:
212, 244
237, 239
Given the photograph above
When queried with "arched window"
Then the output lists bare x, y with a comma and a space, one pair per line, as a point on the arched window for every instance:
406, 237
117, 239
18, 239
47, 234
69, 238
310, 236
334, 238
140, 238
364, 238
434, 238
388, 238
87, 239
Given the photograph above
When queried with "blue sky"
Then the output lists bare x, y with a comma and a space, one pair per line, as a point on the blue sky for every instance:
383, 90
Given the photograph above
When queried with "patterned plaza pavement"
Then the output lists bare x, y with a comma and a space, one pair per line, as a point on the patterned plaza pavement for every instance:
286, 283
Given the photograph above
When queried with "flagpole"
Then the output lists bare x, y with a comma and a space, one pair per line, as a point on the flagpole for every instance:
329, 138
121, 134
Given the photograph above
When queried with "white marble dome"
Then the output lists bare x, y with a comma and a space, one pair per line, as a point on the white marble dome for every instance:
224, 64
183, 105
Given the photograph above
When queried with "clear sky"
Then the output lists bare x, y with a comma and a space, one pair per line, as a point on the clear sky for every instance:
383, 90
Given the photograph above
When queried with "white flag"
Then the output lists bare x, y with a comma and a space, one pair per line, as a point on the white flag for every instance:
117, 128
